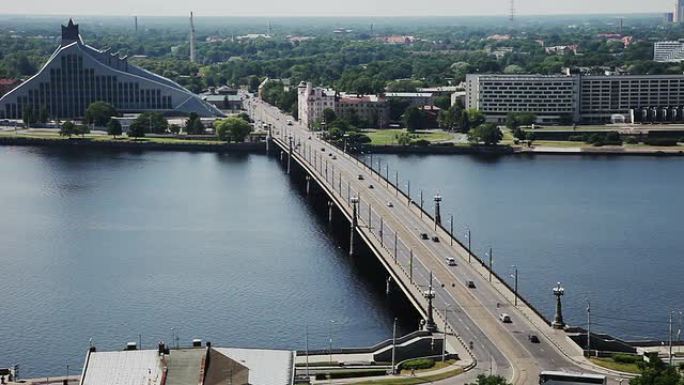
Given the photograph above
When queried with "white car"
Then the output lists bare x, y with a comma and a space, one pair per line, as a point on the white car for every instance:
450, 261
390, 204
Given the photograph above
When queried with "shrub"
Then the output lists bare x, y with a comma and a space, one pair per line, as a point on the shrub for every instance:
625, 358
350, 374
631, 140
418, 363
660, 141
421, 142
577, 138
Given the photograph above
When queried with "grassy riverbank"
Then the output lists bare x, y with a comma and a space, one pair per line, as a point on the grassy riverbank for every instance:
389, 136
610, 363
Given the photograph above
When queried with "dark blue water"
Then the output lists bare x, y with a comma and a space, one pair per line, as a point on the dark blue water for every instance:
609, 228
111, 245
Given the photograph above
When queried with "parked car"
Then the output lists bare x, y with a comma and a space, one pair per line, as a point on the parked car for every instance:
505, 318
450, 261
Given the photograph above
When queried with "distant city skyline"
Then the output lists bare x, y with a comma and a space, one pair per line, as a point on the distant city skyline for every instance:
274, 8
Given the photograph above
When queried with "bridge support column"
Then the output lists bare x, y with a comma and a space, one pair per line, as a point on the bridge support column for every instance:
558, 323
411, 265
330, 211
396, 240
355, 202
438, 215
388, 283
308, 184
281, 156
382, 242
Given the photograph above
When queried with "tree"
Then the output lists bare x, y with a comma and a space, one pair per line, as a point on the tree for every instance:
137, 129
194, 126
413, 118
474, 117
174, 129
232, 129
244, 116
656, 372
68, 129
443, 102
403, 139
82, 129
329, 115
151, 122
487, 133
28, 116
114, 128
99, 113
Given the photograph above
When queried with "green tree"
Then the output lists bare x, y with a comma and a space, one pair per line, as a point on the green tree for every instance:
174, 129
656, 372
487, 133
151, 122
194, 126
82, 129
137, 129
329, 115
443, 102
28, 116
99, 113
413, 119
475, 117
68, 129
403, 139
114, 128
244, 116
232, 129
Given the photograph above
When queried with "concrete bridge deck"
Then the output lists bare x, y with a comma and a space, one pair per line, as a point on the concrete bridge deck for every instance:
393, 234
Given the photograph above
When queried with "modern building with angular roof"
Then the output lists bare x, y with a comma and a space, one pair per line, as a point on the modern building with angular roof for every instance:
77, 74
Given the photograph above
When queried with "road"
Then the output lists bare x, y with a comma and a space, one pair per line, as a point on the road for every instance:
394, 233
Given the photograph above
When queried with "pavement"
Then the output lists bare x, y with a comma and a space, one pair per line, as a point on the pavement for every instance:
393, 233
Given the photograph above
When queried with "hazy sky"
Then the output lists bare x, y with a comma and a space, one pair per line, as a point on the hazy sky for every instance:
328, 7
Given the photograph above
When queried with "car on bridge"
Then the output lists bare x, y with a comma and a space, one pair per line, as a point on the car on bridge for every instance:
435, 238
533, 338
361, 177
390, 204
450, 261
505, 318
424, 236
470, 284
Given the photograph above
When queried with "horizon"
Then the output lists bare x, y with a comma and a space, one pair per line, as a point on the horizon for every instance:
351, 8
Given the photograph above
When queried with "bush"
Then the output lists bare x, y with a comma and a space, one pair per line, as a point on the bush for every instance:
625, 358
631, 140
577, 138
660, 141
418, 363
421, 142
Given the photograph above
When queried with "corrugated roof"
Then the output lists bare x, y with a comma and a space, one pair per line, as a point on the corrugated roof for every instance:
134, 367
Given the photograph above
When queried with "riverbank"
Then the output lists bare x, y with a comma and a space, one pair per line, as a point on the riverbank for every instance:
152, 144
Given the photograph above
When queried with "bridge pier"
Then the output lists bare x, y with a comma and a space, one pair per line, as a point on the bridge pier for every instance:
330, 211
388, 283
308, 184
289, 156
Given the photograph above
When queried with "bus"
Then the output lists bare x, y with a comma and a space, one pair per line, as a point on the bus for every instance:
550, 377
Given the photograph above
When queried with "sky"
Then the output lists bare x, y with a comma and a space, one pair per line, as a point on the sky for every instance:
330, 8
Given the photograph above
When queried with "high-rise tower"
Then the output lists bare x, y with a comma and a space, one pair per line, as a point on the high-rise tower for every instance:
193, 54
679, 11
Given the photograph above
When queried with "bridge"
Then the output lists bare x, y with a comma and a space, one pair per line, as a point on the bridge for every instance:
465, 300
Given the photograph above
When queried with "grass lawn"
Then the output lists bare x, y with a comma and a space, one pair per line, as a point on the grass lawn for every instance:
104, 138
610, 364
558, 143
388, 136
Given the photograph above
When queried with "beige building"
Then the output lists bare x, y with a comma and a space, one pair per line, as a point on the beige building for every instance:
312, 101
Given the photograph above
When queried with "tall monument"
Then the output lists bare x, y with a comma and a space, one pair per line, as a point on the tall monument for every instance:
193, 54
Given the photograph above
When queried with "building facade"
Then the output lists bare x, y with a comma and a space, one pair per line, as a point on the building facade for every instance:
312, 101
77, 74
668, 51
578, 98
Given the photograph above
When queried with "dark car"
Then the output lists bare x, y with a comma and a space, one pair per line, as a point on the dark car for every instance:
423, 236
435, 239
370, 186
360, 177
533, 338
470, 284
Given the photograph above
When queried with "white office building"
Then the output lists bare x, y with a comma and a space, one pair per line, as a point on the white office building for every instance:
668, 51
577, 98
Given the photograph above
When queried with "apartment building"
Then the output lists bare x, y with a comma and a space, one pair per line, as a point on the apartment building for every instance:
668, 51
312, 101
578, 98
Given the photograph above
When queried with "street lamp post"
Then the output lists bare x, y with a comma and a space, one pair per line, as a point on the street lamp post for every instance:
438, 215
394, 344
588, 325
490, 254
515, 290
558, 323
330, 340
429, 294
451, 230
468, 238
355, 202
421, 203
446, 324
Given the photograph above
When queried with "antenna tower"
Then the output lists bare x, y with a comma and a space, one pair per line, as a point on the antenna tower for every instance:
193, 54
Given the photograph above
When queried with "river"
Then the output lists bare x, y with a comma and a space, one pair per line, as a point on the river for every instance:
122, 246
608, 228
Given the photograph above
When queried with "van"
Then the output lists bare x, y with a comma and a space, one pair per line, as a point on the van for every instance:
505, 318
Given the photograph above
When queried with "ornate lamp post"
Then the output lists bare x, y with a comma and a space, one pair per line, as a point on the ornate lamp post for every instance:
355, 202
558, 323
429, 294
438, 215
